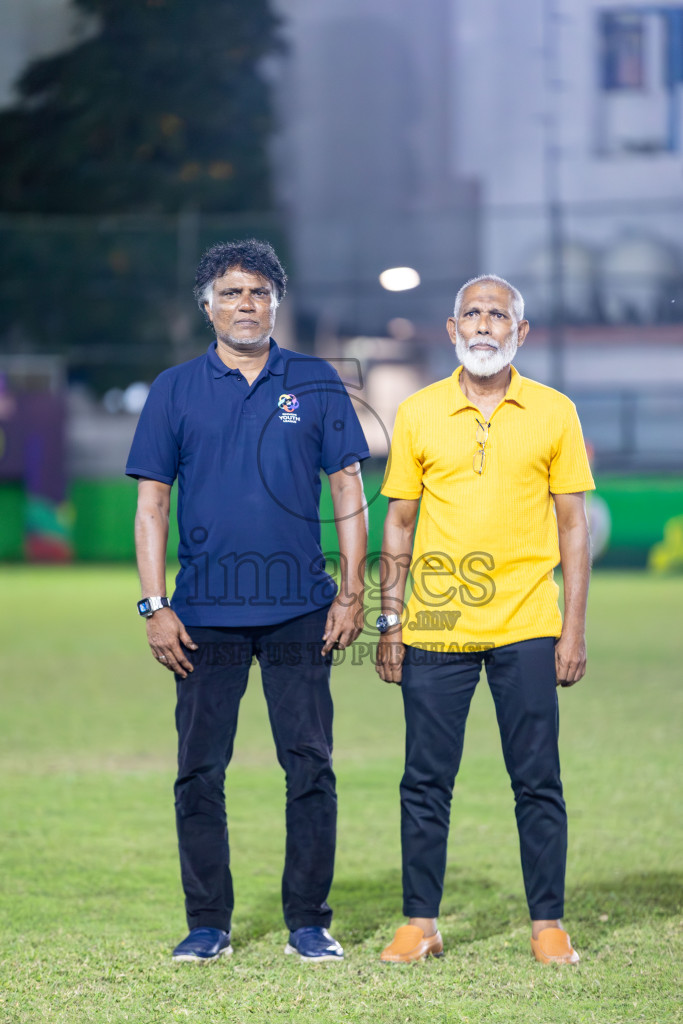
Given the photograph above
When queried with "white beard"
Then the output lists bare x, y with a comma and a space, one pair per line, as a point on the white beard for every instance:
486, 364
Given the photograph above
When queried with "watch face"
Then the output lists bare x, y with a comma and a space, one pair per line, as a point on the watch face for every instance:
144, 608
382, 623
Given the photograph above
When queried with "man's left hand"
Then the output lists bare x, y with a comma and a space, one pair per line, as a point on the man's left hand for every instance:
570, 659
344, 624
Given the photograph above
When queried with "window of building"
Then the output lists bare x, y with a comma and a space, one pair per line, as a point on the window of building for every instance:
640, 103
623, 46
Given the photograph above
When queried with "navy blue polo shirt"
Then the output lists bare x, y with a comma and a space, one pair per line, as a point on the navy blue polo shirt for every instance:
247, 461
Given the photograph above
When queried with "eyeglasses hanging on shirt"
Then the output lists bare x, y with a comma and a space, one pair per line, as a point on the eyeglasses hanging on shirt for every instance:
482, 437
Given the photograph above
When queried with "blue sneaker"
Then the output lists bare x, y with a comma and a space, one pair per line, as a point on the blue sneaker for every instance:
202, 946
314, 945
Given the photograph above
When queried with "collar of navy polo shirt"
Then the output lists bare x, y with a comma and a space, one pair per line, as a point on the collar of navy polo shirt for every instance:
460, 401
275, 364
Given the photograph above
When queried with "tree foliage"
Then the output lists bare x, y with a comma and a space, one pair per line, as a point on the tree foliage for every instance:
161, 107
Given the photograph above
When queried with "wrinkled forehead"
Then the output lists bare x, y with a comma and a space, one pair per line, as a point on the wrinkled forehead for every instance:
237, 277
488, 295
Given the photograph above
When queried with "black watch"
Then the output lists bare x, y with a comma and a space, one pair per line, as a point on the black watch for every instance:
149, 605
385, 622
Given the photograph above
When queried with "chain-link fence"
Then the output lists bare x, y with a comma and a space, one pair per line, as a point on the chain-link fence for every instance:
112, 295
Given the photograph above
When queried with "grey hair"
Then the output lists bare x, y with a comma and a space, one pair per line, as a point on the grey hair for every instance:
206, 295
517, 297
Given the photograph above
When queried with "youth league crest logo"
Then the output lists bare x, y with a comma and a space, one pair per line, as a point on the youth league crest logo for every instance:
289, 404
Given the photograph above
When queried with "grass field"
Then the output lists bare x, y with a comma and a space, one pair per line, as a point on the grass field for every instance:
91, 902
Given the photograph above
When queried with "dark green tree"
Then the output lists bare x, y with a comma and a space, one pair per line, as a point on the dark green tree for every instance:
160, 108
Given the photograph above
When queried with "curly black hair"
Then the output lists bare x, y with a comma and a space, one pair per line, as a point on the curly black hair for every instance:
250, 254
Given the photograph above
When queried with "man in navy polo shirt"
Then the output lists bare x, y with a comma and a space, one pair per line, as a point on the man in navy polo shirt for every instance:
245, 430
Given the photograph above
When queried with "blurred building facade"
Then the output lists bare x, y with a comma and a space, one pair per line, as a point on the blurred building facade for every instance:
441, 139
577, 102
364, 160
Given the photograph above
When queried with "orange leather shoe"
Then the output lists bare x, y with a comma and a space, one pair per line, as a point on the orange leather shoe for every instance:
553, 946
410, 944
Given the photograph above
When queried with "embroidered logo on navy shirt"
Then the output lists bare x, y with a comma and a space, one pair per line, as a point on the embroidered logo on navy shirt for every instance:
289, 404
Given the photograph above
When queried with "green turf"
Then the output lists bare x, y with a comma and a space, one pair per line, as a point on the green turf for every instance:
91, 903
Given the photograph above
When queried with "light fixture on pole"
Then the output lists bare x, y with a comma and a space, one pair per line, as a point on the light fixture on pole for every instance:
399, 279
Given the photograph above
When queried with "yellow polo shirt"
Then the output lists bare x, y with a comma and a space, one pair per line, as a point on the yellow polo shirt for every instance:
486, 545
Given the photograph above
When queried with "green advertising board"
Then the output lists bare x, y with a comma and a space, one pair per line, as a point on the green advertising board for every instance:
103, 511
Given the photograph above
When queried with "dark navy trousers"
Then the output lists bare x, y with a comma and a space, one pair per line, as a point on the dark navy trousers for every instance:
296, 684
437, 691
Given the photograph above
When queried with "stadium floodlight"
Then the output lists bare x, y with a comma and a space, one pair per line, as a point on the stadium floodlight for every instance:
399, 279
134, 397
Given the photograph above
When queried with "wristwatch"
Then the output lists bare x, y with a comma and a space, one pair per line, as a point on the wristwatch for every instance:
149, 605
385, 622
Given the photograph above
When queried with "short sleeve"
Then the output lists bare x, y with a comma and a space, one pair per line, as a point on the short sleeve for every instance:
343, 441
154, 453
403, 476
569, 468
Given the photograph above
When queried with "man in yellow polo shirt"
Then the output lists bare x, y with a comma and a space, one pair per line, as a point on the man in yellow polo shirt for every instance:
497, 467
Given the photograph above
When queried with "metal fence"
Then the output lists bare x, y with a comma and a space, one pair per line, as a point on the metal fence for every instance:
112, 295
633, 430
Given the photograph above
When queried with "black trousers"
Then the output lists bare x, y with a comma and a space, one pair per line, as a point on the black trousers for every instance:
437, 691
296, 684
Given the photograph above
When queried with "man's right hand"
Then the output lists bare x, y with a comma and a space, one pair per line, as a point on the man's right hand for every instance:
390, 654
166, 636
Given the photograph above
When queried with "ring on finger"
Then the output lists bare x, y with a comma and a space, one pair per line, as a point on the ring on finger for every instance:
162, 657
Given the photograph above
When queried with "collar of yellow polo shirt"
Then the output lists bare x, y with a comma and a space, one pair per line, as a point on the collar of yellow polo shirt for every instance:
486, 543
